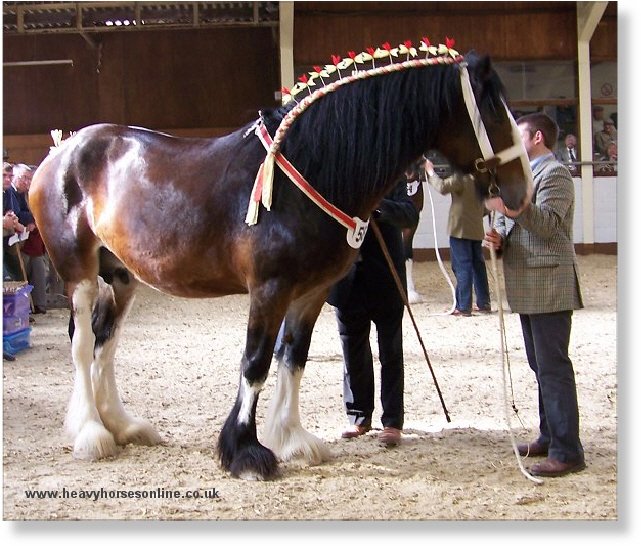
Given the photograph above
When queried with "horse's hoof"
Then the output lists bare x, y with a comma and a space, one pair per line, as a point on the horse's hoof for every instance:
300, 443
138, 432
319, 454
94, 442
255, 463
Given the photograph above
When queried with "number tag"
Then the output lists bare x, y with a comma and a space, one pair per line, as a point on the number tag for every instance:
356, 236
412, 187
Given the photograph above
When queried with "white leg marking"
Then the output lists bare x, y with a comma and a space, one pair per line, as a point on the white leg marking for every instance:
284, 434
248, 395
125, 428
412, 295
91, 439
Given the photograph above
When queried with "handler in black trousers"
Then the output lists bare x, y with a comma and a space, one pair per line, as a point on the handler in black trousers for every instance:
542, 286
369, 294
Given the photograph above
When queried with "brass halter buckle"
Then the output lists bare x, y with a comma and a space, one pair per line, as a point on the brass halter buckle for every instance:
487, 165
480, 165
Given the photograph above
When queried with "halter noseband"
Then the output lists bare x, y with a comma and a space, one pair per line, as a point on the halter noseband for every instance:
490, 160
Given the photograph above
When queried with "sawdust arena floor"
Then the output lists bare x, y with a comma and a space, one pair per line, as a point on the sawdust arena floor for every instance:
177, 366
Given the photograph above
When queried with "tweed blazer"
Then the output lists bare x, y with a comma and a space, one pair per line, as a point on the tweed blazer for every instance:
465, 219
539, 262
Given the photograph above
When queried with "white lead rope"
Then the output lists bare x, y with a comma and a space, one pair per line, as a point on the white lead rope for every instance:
504, 360
438, 254
516, 151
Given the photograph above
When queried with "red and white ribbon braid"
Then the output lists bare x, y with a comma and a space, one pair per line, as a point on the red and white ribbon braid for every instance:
356, 228
263, 185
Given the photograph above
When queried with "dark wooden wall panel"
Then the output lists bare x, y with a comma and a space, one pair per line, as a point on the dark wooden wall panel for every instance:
504, 30
39, 98
539, 36
603, 46
208, 81
168, 79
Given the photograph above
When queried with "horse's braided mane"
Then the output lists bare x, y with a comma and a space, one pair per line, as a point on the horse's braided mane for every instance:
368, 131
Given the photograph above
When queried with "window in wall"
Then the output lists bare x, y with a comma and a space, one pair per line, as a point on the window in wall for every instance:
551, 87
548, 86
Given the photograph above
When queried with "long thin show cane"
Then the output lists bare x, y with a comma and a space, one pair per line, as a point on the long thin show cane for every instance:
401, 289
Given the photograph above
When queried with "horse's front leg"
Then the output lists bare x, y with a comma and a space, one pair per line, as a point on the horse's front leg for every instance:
238, 448
283, 432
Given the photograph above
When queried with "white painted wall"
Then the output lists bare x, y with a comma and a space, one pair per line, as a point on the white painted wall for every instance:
605, 214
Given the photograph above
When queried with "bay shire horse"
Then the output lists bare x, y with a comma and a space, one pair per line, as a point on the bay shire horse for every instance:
130, 205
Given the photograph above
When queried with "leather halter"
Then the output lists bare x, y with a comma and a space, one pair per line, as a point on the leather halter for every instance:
490, 160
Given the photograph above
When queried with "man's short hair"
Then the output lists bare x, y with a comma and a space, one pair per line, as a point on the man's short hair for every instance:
538, 121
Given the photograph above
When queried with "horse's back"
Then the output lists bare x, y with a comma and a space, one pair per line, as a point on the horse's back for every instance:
157, 202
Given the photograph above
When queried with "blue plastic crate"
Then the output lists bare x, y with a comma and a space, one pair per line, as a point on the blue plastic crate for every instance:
12, 324
18, 341
15, 299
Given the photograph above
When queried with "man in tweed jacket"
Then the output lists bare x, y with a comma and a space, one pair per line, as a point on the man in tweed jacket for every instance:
542, 285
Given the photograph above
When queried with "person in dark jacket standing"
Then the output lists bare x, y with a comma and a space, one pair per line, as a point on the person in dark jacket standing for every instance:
369, 294
542, 285
11, 224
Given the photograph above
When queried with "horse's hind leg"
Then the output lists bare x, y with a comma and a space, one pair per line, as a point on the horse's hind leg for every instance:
114, 303
91, 439
283, 432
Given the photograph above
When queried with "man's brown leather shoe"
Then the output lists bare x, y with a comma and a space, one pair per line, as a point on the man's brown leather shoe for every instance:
390, 436
551, 468
533, 449
356, 430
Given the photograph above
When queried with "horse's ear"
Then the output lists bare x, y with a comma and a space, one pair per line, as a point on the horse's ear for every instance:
480, 65
484, 68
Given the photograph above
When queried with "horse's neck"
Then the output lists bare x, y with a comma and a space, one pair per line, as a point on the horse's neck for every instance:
353, 147
355, 183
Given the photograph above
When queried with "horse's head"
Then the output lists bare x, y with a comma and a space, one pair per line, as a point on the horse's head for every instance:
481, 137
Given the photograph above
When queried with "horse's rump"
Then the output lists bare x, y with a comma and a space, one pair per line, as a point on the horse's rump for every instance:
158, 203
